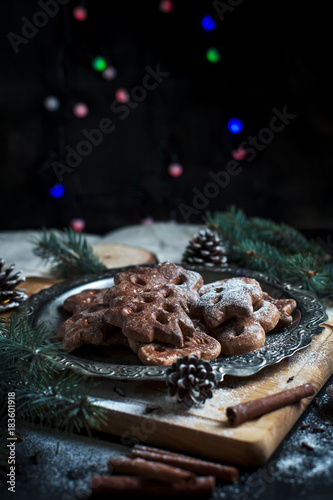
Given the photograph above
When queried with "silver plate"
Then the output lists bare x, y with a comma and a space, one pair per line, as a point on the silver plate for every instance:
120, 363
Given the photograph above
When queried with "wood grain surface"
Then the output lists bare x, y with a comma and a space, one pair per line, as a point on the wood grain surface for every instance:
117, 255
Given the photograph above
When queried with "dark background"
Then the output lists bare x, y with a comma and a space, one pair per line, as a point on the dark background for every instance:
274, 54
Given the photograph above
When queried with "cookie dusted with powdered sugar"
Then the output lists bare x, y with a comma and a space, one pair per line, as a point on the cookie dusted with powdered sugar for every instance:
186, 280
285, 307
243, 335
143, 279
226, 299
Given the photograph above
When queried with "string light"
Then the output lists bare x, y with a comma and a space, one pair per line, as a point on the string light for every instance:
80, 13
78, 224
99, 63
235, 125
213, 55
122, 95
166, 6
57, 191
109, 73
239, 154
80, 110
175, 169
208, 23
51, 103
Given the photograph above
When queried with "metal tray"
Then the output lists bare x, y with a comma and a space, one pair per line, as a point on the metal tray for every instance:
120, 363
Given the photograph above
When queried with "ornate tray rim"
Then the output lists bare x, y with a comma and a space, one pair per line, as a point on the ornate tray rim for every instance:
313, 315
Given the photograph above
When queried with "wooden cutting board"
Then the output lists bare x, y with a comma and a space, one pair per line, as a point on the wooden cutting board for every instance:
143, 412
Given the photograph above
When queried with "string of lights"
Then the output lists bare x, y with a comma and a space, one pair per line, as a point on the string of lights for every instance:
60, 103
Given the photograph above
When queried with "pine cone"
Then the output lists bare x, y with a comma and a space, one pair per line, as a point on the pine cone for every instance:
191, 380
206, 248
10, 298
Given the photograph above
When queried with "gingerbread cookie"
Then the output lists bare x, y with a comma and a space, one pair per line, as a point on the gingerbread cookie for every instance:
162, 354
88, 327
242, 335
115, 336
226, 299
79, 301
159, 314
134, 281
285, 308
140, 279
143, 279
188, 281
239, 336
266, 314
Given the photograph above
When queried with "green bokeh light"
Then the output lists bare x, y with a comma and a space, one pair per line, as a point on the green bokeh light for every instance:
99, 63
213, 55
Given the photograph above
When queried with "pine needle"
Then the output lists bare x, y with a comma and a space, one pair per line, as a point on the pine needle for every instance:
276, 249
43, 393
19, 340
68, 252
283, 236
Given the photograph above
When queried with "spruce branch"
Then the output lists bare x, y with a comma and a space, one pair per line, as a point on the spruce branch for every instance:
42, 392
232, 224
68, 252
21, 343
59, 400
258, 255
308, 272
283, 236
274, 248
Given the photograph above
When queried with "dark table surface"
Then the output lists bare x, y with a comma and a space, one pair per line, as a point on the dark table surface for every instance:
53, 465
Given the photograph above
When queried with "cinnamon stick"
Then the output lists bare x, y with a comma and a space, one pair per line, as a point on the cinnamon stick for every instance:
198, 466
149, 469
196, 486
247, 411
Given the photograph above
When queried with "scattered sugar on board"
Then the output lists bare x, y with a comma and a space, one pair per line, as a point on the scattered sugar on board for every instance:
309, 453
231, 391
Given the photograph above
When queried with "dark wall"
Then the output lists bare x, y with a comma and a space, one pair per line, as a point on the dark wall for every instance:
275, 59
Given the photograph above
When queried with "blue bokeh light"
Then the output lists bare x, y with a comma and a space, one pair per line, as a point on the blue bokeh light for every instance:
57, 191
235, 125
208, 23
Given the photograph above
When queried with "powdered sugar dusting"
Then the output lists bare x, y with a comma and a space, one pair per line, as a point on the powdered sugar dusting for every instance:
233, 291
310, 451
267, 315
229, 298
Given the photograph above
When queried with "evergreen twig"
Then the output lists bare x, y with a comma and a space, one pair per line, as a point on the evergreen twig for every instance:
286, 238
43, 393
19, 343
273, 248
68, 252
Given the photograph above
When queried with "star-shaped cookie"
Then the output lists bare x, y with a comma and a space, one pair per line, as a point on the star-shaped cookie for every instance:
226, 299
160, 314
